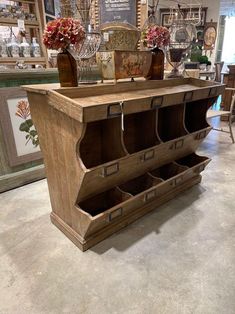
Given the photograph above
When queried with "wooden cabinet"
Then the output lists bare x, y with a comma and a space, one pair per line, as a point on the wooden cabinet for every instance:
115, 152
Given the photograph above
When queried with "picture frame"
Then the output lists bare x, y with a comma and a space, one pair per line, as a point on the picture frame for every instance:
18, 152
210, 34
165, 16
165, 19
49, 6
49, 18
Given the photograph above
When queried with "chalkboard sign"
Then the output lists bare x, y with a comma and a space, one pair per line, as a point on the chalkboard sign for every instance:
118, 11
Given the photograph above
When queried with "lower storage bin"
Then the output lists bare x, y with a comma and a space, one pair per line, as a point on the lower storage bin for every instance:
168, 171
103, 201
139, 184
195, 162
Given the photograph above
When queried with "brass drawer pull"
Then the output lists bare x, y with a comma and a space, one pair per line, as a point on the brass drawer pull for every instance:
115, 214
149, 196
157, 102
213, 91
177, 181
201, 135
114, 110
188, 96
111, 169
177, 145
147, 155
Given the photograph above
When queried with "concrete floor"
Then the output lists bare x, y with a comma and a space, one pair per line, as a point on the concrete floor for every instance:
179, 259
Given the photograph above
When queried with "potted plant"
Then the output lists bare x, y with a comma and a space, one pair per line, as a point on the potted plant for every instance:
59, 34
156, 38
203, 60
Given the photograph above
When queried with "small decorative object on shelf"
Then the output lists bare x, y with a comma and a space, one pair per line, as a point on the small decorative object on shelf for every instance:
59, 34
35, 48
156, 38
24, 47
13, 48
3, 47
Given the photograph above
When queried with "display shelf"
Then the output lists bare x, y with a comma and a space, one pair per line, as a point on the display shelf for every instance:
11, 60
103, 173
33, 29
13, 22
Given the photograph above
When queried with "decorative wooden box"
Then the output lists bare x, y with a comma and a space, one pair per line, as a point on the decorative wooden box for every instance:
124, 64
115, 152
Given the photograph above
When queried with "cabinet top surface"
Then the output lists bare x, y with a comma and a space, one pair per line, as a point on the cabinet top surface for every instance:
96, 97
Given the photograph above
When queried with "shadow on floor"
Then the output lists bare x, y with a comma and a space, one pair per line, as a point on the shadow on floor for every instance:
152, 222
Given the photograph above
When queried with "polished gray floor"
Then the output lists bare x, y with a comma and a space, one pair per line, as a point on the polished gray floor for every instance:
179, 259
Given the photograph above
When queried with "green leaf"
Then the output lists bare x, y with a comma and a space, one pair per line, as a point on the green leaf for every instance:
29, 122
24, 127
33, 132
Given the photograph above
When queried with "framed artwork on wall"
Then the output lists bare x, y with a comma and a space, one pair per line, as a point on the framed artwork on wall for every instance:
166, 19
18, 130
210, 34
49, 18
49, 6
165, 16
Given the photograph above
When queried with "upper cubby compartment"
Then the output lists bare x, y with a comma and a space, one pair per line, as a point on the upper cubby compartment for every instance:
140, 131
102, 142
195, 114
170, 123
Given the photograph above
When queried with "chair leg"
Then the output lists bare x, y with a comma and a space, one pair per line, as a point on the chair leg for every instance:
230, 128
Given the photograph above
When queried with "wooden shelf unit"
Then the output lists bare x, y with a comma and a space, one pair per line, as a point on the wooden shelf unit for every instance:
33, 29
13, 22
11, 60
102, 175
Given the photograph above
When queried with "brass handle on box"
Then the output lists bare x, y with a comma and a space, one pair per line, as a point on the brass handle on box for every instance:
177, 145
149, 196
177, 181
147, 155
157, 102
115, 214
110, 170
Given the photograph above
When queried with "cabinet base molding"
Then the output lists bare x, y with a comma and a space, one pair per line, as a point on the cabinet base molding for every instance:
85, 244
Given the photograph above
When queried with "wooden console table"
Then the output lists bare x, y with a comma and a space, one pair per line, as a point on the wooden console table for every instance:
115, 152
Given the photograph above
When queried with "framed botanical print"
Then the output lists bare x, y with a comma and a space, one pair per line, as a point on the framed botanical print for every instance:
19, 133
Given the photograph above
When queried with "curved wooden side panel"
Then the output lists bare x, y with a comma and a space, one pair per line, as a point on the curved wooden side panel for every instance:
58, 136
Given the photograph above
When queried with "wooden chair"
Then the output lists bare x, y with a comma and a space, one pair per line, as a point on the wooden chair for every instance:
211, 113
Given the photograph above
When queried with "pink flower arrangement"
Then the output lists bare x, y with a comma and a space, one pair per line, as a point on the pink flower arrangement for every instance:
62, 32
156, 36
